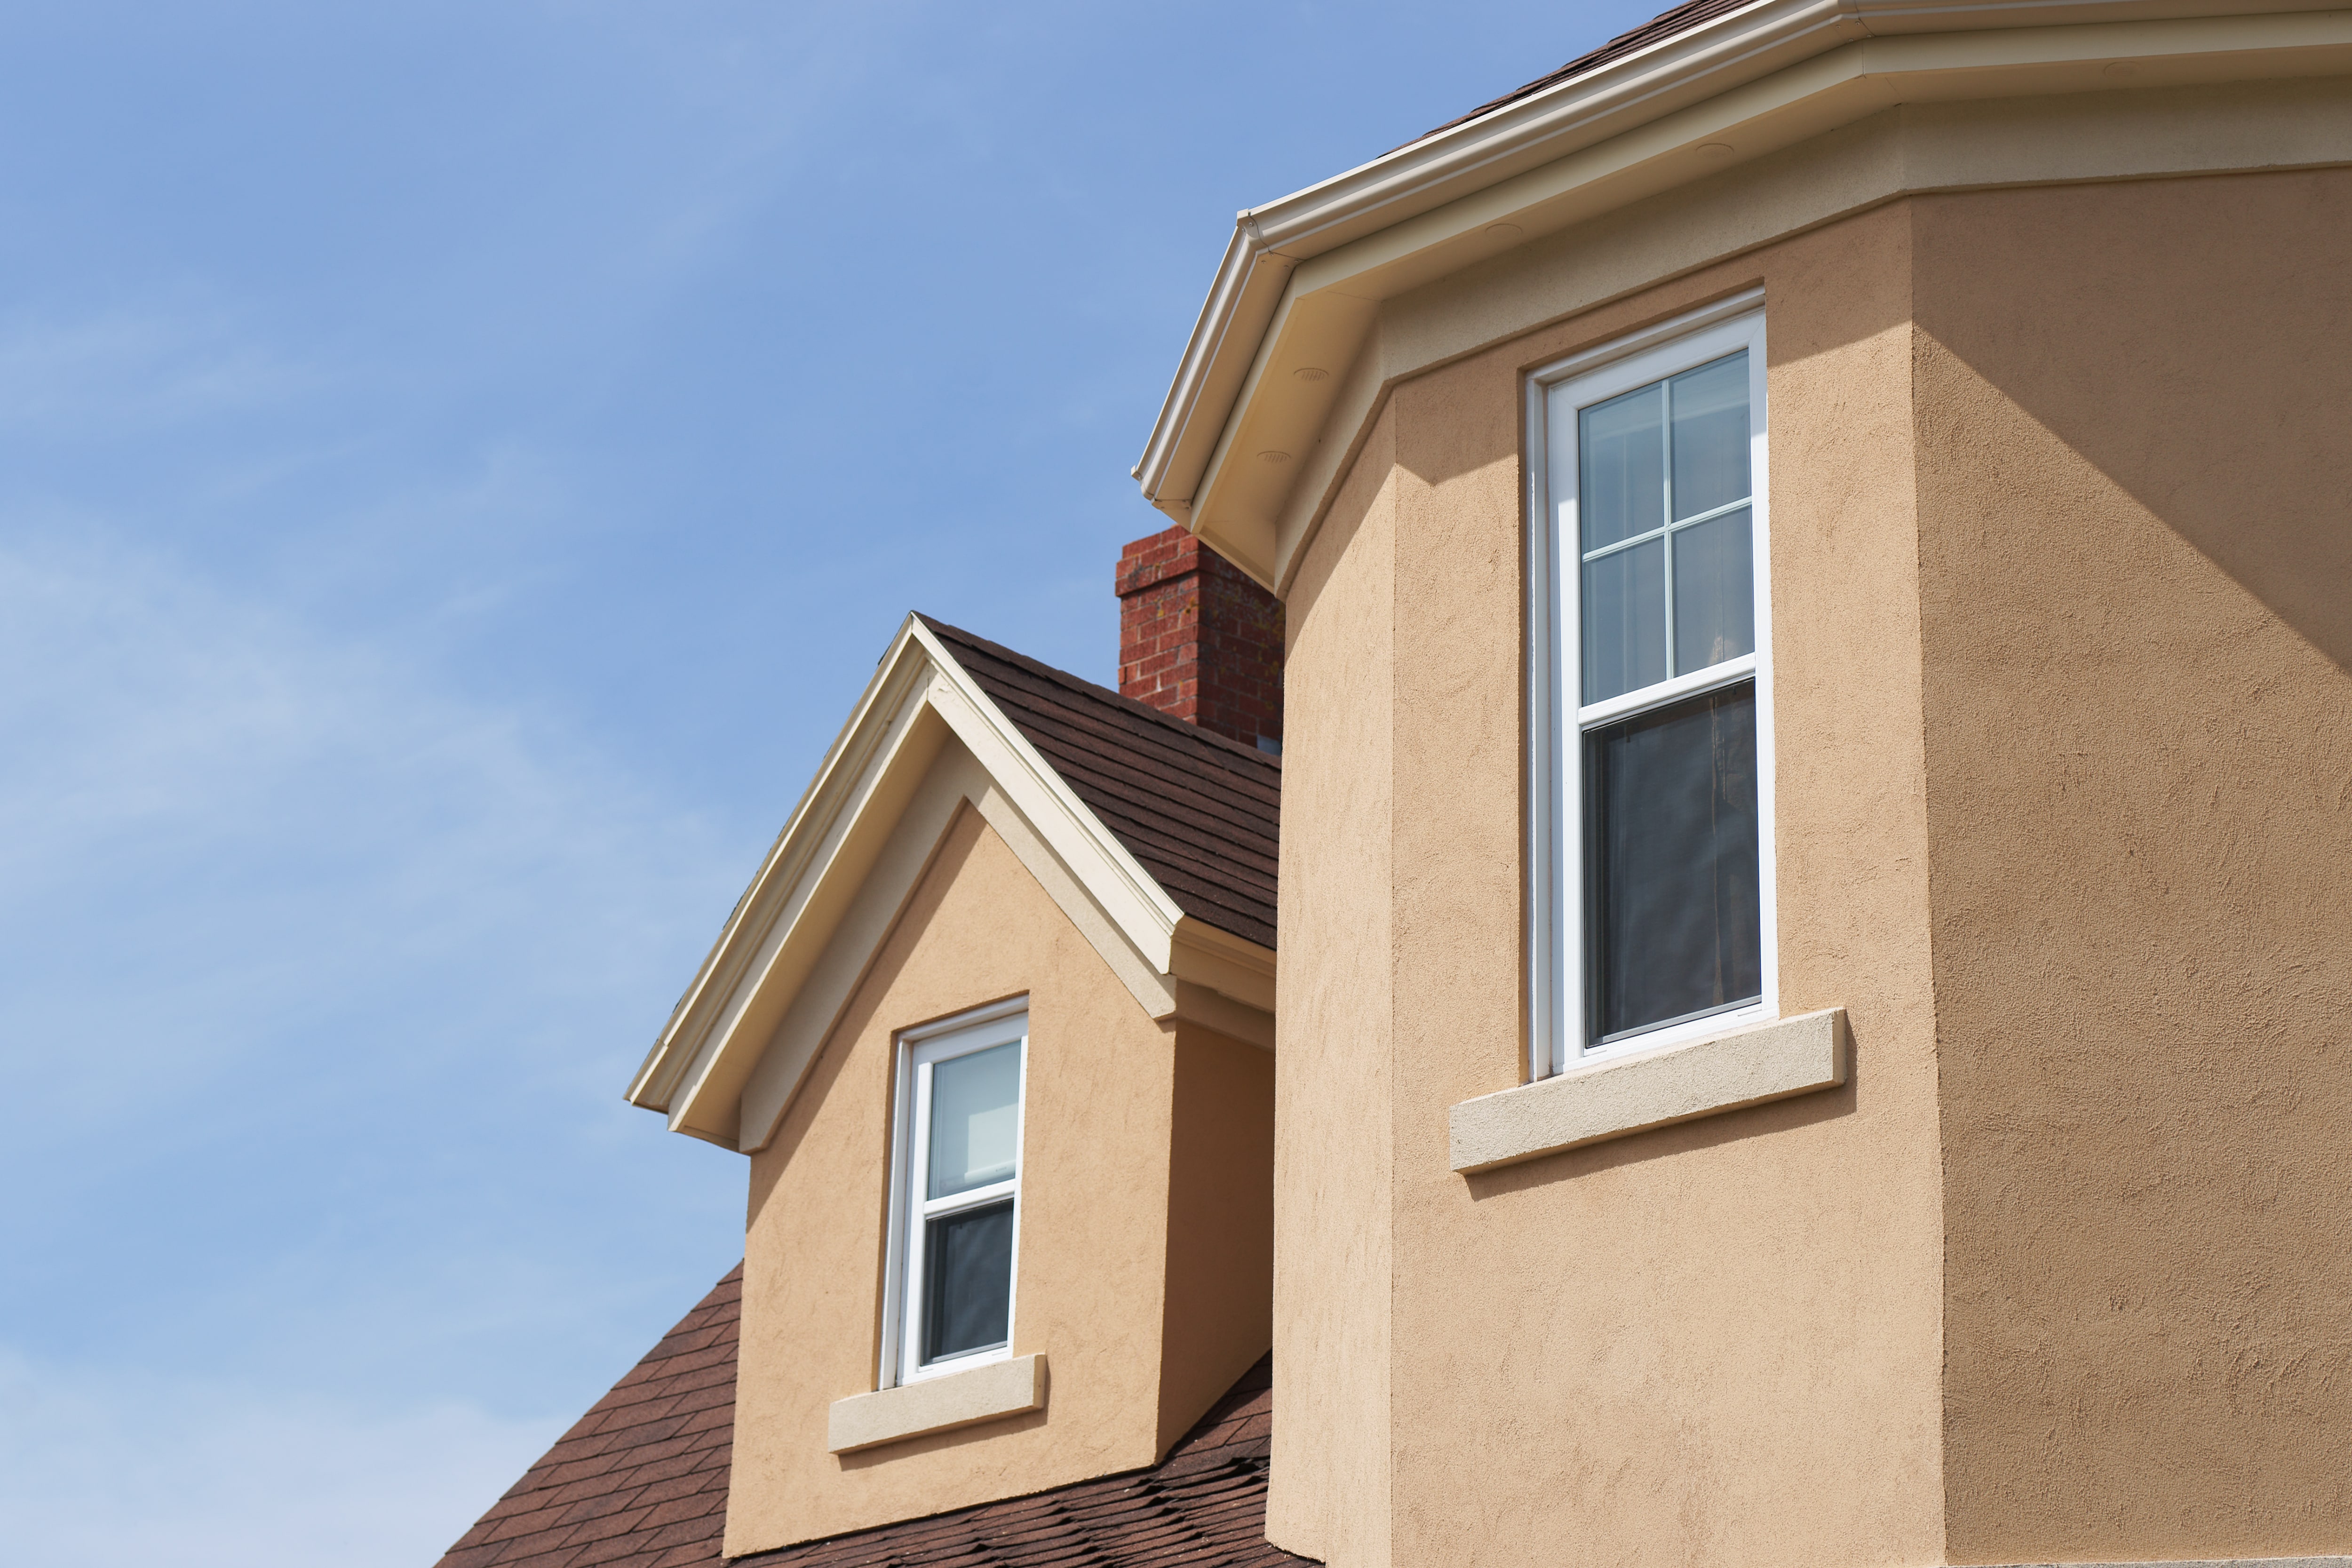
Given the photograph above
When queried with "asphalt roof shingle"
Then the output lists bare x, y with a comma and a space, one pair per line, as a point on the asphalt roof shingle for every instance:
1203, 1506
640, 1481
1201, 814
1663, 26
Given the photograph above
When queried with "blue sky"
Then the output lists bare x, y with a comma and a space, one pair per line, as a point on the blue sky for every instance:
459, 462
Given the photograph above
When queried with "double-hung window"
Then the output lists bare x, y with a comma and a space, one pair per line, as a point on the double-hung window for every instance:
1650, 887
956, 1203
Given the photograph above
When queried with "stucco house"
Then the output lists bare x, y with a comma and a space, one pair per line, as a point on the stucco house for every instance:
1712, 923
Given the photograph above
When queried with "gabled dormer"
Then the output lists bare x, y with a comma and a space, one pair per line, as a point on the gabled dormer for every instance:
993, 1024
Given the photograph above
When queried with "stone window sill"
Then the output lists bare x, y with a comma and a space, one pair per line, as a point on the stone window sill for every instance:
937, 1403
1633, 1094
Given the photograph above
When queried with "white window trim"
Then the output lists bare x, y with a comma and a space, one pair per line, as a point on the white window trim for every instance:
1555, 954
1000, 1023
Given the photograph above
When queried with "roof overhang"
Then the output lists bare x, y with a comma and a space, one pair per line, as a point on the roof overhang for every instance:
1299, 287
923, 742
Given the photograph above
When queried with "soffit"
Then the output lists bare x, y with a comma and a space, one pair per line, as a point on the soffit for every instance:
1304, 279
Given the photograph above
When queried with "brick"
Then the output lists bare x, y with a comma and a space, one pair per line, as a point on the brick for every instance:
1184, 608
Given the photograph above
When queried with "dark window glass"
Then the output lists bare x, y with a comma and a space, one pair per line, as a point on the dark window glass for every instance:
1673, 920
967, 1280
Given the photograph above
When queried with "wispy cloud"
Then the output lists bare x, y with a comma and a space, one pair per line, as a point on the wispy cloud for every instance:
99, 1469
127, 371
322, 975
326, 816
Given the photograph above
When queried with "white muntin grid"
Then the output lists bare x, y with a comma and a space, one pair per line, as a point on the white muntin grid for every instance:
1558, 1039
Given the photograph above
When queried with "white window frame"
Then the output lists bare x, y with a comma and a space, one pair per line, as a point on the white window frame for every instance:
918, 1051
1557, 719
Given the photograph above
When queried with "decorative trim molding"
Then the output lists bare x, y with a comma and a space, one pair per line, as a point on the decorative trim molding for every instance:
706, 1072
1634, 1094
1313, 266
988, 1393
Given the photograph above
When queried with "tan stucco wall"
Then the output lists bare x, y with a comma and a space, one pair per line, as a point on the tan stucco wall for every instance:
2061, 587
1103, 1108
2134, 411
1334, 1261
1713, 1343
1219, 1312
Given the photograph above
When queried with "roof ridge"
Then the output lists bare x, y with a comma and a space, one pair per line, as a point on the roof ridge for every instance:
1103, 693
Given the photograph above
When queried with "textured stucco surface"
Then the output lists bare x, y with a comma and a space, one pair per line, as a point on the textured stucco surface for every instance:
1093, 1231
1334, 1262
2137, 575
1718, 1340
2060, 567
1218, 1317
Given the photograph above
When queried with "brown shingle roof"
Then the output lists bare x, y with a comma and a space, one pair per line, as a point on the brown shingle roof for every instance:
640, 1481
1200, 813
1203, 1506
1663, 26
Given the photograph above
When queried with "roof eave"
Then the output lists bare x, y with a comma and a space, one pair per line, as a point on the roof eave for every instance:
1262, 271
1399, 184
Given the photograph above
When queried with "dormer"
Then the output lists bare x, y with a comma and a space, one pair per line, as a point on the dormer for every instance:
992, 1023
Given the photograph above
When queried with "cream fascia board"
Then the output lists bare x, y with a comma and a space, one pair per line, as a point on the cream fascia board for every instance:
1241, 300
1804, 65
1416, 178
781, 926
751, 941
955, 781
1145, 914
1223, 962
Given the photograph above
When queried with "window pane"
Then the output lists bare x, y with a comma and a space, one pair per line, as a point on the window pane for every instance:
1710, 435
1715, 592
975, 1120
1672, 911
1625, 620
968, 1280
1621, 486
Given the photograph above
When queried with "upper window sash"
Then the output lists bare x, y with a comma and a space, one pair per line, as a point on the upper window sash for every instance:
1559, 711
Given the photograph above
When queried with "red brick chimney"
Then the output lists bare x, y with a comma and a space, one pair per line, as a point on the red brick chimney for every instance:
1200, 641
